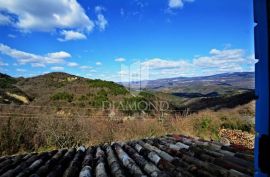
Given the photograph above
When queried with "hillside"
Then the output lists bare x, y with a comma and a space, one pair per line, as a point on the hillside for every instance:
216, 91
55, 90
10, 93
207, 101
60, 89
62, 94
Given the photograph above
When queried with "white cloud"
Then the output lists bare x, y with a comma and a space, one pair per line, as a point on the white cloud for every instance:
59, 55
98, 63
219, 58
20, 70
93, 71
38, 65
34, 59
72, 64
176, 4
140, 3
218, 61
163, 68
5, 20
158, 63
3, 63
120, 59
47, 15
86, 67
71, 35
134, 72
99, 9
57, 68
101, 22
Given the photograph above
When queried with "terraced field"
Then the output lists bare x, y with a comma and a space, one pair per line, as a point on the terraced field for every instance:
172, 155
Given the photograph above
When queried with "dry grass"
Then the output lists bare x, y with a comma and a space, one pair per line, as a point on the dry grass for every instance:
25, 134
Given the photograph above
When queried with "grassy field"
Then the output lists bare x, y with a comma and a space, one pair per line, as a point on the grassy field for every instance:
19, 134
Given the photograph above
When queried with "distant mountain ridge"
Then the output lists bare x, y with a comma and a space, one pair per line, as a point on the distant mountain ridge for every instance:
215, 91
239, 80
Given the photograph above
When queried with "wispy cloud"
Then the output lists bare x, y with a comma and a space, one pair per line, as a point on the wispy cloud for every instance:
120, 59
72, 64
98, 63
84, 67
21, 70
59, 55
101, 21
57, 68
71, 35
157, 63
218, 58
38, 65
99, 9
34, 59
3, 63
176, 4
218, 61
5, 20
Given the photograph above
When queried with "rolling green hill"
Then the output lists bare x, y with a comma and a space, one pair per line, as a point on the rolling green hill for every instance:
64, 90
70, 90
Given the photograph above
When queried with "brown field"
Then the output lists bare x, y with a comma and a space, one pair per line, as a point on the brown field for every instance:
20, 134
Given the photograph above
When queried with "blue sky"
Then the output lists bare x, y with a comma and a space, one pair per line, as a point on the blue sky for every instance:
104, 38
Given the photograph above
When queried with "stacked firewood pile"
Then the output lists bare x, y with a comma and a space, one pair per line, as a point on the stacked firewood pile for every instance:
238, 137
168, 156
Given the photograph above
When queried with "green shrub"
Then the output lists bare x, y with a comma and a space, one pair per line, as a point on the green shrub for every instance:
6, 82
236, 123
63, 96
56, 84
114, 88
147, 95
83, 98
207, 126
100, 99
